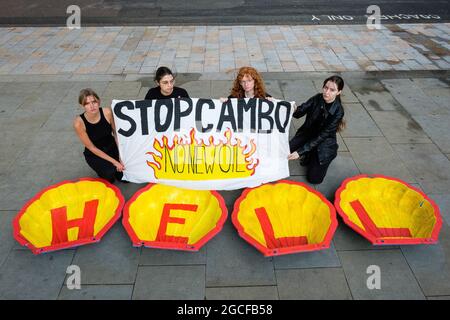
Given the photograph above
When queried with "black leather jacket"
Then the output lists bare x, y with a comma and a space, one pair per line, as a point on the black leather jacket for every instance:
320, 127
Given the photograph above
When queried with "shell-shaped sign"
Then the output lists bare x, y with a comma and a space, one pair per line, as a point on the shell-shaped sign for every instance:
386, 210
161, 216
68, 214
285, 217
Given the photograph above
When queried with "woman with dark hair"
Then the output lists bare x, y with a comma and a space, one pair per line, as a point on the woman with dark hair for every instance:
165, 80
315, 142
95, 128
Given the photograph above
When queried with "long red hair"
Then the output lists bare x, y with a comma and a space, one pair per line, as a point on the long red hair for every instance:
238, 92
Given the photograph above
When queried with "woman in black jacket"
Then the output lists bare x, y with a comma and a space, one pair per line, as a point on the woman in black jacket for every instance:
315, 142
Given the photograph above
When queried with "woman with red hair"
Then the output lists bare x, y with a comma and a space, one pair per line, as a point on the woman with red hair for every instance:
248, 84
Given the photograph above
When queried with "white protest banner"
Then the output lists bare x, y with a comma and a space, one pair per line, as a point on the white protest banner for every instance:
204, 144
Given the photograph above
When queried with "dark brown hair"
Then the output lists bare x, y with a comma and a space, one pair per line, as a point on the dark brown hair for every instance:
340, 85
161, 72
84, 93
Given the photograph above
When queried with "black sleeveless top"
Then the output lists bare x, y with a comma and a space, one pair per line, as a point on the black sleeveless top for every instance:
99, 133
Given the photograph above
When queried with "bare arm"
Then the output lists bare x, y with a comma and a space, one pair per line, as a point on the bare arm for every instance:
80, 130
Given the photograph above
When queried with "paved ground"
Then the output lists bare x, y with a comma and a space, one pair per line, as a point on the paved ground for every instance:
397, 125
398, 114
205, 49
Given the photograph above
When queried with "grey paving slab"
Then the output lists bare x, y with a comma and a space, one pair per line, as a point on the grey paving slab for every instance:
412, 98
157, 257
317, 259
221, 88
97, 292
198, 89
438, 129
373, 95
62, 119
341, 143
436, 186
298, 90
6, 234
300, 178
295, 169
359, 123
341, 168
121, 90
233, 262
376, 156
430, 83
26, 276
19, 90
242, 293
230, 197
380, 101
436, 89
443, 202
313, 284
111, 261
424, 161
431, 264
399, 127
396, 279
142, 93
440, 96
346, 239
45, 148
10, 103
71, 98
170, 283
273, 88
19, 184
14, 140
128, 189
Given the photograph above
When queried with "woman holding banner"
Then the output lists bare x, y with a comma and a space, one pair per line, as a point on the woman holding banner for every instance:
315, 142
95, 128
165, 80
248, 84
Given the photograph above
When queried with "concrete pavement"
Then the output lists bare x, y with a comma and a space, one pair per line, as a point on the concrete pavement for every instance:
398, 114
397, 125
207, 49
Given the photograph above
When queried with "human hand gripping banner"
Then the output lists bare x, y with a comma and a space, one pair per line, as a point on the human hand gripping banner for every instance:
204, 143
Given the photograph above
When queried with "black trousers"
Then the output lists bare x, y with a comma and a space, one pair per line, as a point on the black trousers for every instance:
104, 169
315, 172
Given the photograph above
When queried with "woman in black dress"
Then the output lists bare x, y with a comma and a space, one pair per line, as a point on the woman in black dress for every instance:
315, 142
165, 90
95, 128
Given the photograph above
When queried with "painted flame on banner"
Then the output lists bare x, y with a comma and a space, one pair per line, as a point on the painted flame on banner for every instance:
194, 159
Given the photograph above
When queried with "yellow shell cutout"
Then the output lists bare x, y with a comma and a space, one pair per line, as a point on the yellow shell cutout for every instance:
285, 217
68, 214
387, 210
170, 217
